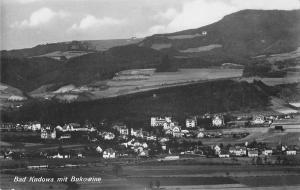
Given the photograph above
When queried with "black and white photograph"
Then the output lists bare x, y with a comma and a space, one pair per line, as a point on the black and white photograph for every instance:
150, 94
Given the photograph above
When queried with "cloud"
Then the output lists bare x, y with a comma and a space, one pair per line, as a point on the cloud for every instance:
39, 17
27, 1
266, 4
90, 21
168, 14
197, 13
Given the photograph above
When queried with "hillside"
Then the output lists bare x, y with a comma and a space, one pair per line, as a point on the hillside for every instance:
87, 46
235, 38
179, 101
28, 74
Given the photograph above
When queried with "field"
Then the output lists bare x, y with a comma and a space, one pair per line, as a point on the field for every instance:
172, 176
140, 81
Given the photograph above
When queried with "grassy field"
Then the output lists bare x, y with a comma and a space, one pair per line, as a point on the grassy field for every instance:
180, 175
154, 81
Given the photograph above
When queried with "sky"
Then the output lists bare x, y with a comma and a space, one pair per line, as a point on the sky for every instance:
26, 23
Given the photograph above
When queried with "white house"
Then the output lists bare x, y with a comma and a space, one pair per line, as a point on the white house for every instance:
109, 153
144, 153
217, 150
218, 121
137, 133
252, 153
66, 136
176, 131
34, 126
108, 135
121, 128
291, 152
99, 149
191, 122
48, 133
159, 121
223, 155
258, 119
238, 151
267, 152
200, 135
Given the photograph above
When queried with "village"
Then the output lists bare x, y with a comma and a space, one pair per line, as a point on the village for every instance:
164, 140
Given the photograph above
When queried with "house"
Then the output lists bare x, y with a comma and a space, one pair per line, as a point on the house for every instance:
258, 119
7, 126
108, 135
99, 149
217, 121
252, 153
176, 131
224, 155
109, 153
217, 150
151, 138
145, 145
163, 146
238, 151
65, 136
76, 127
164, 140
33, 126
144, 153
200, 135
191, 122
159, 121
121, 128
48, 133
137, 133
169, 125
291, 152
267, 152
60, 156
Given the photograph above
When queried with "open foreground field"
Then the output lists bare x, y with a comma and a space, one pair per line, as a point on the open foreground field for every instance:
179, 175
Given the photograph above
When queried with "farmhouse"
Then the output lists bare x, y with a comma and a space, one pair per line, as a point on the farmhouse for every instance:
191, 122
258, 119
176, 131
217, 121
291, 152
61, 156
238, 151
99, 149
7, 126
121, 128
109, 153
252, 153
65, 136
267, 152
159, 121
144, 153
137, 133
48, 133
108, 135
33, 126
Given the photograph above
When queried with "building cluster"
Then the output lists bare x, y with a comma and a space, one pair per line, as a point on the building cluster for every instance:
165, 136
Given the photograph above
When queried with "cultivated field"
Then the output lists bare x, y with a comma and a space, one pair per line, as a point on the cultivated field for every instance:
138, 81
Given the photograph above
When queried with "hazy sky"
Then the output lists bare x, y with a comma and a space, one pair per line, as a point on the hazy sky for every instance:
26, 23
